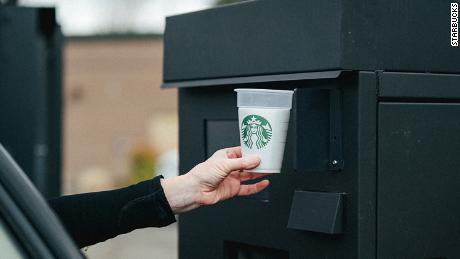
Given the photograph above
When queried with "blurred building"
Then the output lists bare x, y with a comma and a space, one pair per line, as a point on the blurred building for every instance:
114, 110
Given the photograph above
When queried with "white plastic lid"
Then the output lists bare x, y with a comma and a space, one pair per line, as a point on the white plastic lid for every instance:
264, 98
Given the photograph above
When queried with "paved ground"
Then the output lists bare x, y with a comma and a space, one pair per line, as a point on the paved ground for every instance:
144, 243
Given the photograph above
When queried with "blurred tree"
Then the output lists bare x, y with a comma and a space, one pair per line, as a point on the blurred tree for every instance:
143, 161
221, 2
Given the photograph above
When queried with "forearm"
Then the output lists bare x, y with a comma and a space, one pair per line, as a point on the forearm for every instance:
94, 217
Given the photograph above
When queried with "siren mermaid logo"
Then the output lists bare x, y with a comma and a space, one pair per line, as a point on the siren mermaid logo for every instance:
256, 130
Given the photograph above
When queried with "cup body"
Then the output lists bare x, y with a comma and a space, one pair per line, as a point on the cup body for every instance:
264, 119
263, 132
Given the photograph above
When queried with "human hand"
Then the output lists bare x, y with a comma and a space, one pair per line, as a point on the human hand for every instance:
216, 179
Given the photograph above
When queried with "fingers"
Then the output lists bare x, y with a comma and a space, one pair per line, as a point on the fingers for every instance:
233, 152
245, 176
236, 164
249, 189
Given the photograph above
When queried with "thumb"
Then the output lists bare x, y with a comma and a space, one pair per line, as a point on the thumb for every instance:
246, 162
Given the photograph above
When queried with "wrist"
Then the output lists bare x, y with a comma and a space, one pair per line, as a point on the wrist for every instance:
182, 193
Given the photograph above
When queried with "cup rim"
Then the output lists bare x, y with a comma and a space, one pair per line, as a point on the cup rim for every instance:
262, 90
266, 107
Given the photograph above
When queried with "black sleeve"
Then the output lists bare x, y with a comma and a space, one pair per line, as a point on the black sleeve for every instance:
94, 217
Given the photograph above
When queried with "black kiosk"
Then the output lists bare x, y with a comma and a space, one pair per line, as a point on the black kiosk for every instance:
371, 166
31, 93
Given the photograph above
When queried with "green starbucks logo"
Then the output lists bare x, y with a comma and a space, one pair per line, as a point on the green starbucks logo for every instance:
256, 130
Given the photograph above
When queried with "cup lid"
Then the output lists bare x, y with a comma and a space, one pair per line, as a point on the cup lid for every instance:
264, 98
262, 90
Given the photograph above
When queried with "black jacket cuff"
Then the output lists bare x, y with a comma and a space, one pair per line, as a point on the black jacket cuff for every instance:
149, 209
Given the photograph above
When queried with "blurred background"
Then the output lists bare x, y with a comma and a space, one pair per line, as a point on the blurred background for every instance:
118, 126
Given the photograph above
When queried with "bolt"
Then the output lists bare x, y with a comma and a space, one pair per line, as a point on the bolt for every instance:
335, 162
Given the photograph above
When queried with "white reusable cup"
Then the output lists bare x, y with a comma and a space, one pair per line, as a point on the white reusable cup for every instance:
263, 117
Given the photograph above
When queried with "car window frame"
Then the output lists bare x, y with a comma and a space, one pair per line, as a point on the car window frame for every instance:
29, 215
26, 237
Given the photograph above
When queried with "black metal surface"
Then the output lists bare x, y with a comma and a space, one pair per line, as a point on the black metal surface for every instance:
253, 38
318, 128
398, 85
234, 250
418, 180
382, 215
335, 130
399, 130
311, 124
8, 2
35, 210
30, 93
317, 212
55, 113
271, 37
217, 136
253, 79
366, 98
262, 223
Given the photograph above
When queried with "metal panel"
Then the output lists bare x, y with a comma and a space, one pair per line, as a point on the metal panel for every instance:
418, 180
317, 120
20, 83
367, 164
253, 38
262, 223
235, 250
217, 135
317, 211
397, 85
30, 93
311, 124
277, 37
253, 79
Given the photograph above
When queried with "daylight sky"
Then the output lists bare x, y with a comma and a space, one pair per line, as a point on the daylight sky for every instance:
86, 17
